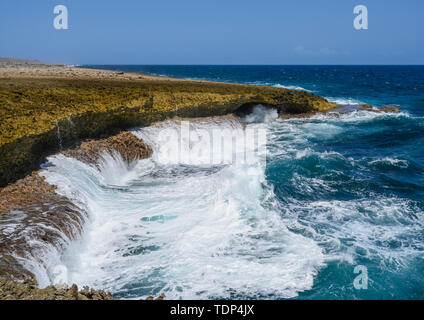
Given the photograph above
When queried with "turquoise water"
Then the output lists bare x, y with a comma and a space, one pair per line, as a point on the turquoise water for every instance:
340, 192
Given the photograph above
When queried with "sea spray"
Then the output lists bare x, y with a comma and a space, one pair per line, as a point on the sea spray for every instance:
37, 225
351, 182
187, 230
235, 229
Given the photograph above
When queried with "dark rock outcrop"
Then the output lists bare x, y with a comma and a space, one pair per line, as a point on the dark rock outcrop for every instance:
125, 143
34, 215
393, 109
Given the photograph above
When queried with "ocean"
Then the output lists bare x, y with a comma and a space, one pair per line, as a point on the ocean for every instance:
329, 195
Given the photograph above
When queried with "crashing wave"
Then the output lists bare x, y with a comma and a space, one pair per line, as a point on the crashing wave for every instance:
188, 231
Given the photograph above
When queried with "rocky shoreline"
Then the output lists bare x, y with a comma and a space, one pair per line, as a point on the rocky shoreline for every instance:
83, 113
32, 212
28, 290
46, 108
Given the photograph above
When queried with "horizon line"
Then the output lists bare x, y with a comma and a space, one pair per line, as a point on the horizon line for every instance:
211, 64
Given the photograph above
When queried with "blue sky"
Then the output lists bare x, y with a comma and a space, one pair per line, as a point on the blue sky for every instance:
214, 32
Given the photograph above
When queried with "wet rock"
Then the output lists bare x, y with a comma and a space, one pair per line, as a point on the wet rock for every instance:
73, 292
28, 290
125, 143
390, 109
366, 106
32, 206
34, 216
61, 286
10, 267
297, 115
161, 297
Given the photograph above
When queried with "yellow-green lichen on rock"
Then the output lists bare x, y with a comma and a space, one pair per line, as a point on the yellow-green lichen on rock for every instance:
39, 114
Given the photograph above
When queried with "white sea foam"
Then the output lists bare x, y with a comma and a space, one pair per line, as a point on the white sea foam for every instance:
261, 114
298, 88
381, 228
200, 231
357, 116
401, 163
188, 231
344, 101
384, 229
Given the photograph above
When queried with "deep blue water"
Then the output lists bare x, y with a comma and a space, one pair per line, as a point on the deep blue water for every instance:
354, 184
376, 85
